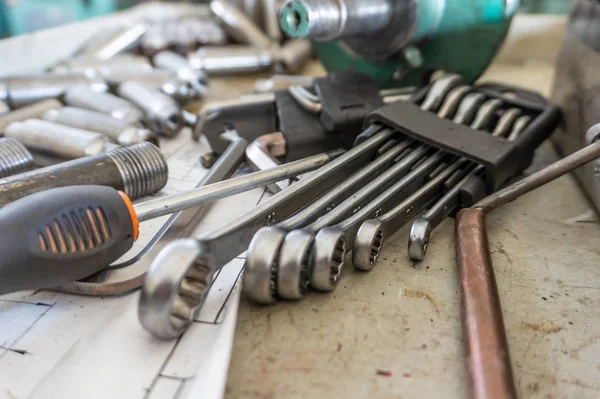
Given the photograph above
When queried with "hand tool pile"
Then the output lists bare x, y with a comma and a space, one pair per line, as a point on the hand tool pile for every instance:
403, 163
129, 85
348, 164
96, 118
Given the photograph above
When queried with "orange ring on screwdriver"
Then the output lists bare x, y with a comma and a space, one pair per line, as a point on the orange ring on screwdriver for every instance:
134, 220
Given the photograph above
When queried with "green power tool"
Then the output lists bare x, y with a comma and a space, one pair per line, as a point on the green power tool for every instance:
401, 42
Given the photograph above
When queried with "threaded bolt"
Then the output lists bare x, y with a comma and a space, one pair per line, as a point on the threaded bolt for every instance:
14, 157
143, 169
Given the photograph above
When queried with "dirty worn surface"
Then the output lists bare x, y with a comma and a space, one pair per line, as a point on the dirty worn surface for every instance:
395, 331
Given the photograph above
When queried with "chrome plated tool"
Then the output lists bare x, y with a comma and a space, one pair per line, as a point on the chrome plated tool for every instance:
65, 234
123, 39
332, 243
118, 131
128, 275
421, 229
105, 103
163, 113
239, 26
31, 111
171, 297
56, 139
231, 60
178, 64
273, 272
279, 262
23, 90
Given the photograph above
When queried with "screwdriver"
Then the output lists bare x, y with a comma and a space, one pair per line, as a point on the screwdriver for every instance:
64, 234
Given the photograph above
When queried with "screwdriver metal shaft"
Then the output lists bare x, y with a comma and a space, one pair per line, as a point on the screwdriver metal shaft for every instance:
175, 203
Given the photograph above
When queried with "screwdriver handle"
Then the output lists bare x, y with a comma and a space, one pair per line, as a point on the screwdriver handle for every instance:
64, 234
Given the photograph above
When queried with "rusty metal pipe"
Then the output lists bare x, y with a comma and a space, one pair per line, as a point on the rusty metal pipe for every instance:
486, 346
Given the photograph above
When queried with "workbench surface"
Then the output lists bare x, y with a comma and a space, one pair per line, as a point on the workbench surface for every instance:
404, 318
392, 332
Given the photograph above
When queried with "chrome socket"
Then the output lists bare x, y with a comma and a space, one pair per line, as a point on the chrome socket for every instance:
178, 64
162, 112
14, 158
117, 130
24, 90
35, 110
58, 140
231, 60
105, 103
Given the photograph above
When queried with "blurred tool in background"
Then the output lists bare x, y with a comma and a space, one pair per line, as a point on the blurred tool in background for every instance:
23, 16
576, 90
401, 43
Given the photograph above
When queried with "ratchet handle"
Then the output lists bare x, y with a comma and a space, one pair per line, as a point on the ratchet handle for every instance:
61, 235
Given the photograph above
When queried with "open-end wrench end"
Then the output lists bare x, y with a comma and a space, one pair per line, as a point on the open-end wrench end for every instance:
418, 239
329, 258
368, 244
175, 287
259, 283
293, 264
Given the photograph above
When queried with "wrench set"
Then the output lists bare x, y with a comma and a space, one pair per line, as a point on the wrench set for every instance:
285, 259
348, 164
398, 168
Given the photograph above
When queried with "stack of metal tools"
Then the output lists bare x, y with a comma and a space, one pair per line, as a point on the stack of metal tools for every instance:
142, 85
449, 146
422, 153
96, 117
348, 163
121, 89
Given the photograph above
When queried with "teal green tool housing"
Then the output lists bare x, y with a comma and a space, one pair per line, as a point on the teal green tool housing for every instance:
402, 42
24, 16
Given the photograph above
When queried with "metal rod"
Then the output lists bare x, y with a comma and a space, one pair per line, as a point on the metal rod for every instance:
238, 25
540, 178
138, 170
213, 192
486, 346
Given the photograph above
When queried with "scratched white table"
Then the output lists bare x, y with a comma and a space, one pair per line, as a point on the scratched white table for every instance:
401, 317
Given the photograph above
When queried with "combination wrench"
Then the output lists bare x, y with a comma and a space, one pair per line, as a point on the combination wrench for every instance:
520, 125
180, 278
264, 248
283, 271
295, 250
332, 242
370, 236
422, 228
